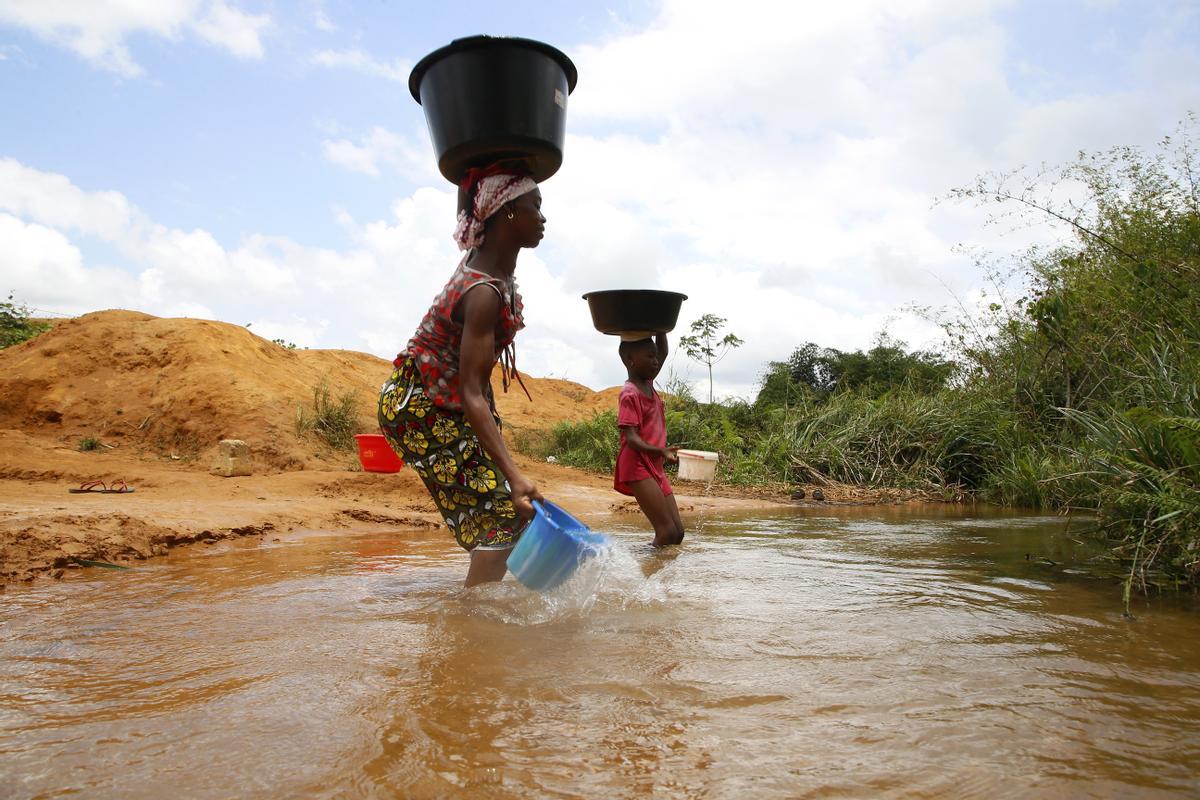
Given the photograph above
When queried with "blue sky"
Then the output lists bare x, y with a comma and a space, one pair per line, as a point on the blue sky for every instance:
263, 161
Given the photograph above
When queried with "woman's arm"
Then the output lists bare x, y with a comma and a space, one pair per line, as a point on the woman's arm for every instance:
481, 311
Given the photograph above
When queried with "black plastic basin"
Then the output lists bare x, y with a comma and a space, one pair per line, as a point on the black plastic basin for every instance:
492, 98
628, 310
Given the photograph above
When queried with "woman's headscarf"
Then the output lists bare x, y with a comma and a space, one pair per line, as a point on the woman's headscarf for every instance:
491, 188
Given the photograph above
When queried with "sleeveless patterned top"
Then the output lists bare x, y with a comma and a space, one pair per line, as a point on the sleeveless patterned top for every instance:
436, 344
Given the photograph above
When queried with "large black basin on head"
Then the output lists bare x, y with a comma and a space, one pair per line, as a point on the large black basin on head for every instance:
634, 310
493, 98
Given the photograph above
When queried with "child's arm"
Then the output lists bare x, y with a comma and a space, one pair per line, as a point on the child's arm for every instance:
660, 341
634, 439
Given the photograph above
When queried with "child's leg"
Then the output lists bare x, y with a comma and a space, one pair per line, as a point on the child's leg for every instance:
655, 506
674, 508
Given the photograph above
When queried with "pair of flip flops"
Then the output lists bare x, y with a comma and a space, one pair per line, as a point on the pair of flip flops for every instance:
99, 487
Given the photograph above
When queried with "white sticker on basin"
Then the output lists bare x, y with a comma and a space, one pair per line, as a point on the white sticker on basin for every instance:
560, 99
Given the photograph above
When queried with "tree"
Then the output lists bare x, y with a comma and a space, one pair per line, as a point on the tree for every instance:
707, 346
821, 371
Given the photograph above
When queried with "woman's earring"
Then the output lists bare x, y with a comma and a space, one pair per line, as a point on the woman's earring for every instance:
511, 215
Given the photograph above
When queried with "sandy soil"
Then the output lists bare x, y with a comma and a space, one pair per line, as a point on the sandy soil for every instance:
159, 394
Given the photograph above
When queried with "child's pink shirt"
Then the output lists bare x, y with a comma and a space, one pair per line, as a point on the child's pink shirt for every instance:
648, 416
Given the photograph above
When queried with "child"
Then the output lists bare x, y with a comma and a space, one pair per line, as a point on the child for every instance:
643, 425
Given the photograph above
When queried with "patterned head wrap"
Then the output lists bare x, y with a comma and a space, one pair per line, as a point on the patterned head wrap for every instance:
488, 190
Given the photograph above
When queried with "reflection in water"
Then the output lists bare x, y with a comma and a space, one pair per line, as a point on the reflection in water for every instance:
821, 653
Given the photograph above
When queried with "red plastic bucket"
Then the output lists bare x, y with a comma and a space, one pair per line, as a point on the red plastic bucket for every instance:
376, 455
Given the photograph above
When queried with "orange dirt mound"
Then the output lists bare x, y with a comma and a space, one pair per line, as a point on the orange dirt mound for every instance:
175, 387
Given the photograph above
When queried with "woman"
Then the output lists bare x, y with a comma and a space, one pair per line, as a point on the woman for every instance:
437, 409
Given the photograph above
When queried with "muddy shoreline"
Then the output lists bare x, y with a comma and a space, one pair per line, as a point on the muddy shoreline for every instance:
46, 532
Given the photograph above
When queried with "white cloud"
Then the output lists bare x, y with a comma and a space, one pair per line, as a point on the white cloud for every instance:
163, 269
778, 163
322, 22
363, 62
45, 270
97, 30
381, 149
236, 31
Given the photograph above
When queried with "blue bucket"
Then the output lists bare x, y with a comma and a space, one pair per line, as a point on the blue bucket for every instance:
552, 547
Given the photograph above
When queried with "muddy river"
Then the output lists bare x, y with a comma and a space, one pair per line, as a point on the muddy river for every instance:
818, 653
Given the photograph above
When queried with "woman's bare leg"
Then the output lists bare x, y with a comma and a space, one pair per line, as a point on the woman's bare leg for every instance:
487, 566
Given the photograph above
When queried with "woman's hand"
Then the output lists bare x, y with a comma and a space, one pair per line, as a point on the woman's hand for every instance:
524, 492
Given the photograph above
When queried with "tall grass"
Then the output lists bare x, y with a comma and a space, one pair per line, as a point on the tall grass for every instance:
333, 421
591, 444
1141, 472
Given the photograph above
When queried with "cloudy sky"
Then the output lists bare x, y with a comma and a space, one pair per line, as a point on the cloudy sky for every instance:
261, 161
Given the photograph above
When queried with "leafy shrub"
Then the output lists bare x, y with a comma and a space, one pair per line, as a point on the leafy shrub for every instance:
591, 444
333, 421
15, 324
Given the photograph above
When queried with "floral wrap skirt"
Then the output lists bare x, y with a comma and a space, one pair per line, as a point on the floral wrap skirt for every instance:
465, 484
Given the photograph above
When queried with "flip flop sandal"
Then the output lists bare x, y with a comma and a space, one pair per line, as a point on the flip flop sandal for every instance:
98, 487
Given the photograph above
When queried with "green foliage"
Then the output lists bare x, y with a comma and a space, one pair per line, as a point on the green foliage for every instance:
706, 345
284, 344
814, 371
89, 443
1143, 474
333, 421
591, 444
15, 324
1099, 360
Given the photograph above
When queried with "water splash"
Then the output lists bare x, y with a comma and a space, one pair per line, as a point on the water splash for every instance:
615, 579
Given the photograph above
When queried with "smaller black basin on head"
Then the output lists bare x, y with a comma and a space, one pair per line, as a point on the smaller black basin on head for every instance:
626, 310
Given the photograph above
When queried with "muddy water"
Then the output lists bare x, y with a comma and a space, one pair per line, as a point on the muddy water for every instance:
783, 656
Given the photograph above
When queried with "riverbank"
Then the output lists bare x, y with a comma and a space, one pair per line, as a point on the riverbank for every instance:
125, 396
45, 531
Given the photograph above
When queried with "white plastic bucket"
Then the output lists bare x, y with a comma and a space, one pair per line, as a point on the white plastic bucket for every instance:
697, 465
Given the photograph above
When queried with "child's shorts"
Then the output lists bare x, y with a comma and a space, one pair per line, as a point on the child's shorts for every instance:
633, 465
466, 485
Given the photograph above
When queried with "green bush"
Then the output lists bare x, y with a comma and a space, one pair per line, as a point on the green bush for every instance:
333, 421
591, 444
15, 324
1099, 361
